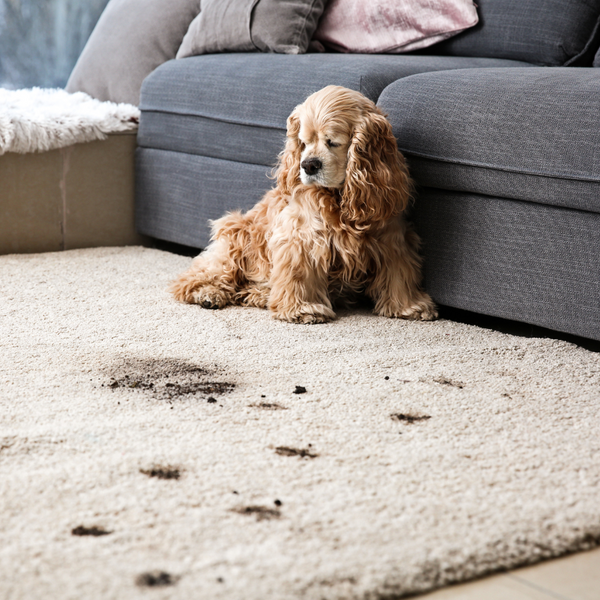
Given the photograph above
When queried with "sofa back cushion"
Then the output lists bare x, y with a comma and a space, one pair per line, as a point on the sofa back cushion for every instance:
131, 39
282, 26
542, 32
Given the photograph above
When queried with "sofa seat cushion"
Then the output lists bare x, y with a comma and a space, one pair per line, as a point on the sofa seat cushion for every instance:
526, 134
235, 106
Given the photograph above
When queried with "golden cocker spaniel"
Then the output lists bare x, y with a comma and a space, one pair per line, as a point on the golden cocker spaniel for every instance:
332, 228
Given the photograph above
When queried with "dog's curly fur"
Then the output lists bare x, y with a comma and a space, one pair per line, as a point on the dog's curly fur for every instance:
331, 228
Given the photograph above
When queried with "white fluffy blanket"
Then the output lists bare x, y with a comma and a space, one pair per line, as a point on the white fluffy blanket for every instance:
36, 120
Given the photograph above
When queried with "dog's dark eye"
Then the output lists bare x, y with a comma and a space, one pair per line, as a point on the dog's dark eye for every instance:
331, 144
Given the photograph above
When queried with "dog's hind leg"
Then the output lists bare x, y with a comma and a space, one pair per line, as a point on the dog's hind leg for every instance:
234, 268
211, 280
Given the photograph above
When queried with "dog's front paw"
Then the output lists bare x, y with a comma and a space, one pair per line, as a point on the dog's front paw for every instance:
420, 309
306, 313
253, 296
210, 296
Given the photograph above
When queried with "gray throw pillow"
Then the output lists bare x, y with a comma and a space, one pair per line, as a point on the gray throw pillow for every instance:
131, 39
284, 26
542, 32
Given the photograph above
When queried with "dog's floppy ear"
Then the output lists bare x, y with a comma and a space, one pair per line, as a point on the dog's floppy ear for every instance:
377, 184
288, 171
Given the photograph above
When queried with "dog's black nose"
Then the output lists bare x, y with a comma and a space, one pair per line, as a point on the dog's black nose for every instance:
311, 165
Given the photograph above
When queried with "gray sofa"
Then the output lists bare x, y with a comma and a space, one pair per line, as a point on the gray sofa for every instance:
500, 125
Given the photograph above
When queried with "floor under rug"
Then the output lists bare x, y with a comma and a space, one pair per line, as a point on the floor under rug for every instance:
150, 445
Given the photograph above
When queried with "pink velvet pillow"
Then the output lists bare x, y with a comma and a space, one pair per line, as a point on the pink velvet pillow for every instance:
392, 26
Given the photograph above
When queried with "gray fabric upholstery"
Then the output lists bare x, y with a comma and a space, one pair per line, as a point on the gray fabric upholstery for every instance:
511, 259
555, 191
221, 26
285, 25
235, 106
528, 134
544, 32
177, 193
211, 137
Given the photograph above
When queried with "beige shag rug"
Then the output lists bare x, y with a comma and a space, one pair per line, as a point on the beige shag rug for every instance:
155, 449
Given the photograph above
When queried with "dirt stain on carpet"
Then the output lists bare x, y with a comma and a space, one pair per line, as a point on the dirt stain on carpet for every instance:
261, 513
449, 382
94, 531
301, 452
166, 378
162, 472
155, 579
268, 406
408, 418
